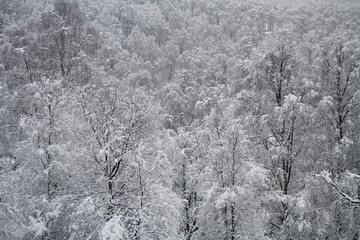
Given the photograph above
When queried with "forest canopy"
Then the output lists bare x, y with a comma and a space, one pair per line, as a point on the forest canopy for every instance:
179, 119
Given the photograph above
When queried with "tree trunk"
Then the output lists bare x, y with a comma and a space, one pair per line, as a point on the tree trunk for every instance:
110, 207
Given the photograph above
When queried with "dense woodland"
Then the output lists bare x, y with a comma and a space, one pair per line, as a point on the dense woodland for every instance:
179, 119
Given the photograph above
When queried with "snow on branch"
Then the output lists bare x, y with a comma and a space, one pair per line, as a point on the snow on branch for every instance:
326, 175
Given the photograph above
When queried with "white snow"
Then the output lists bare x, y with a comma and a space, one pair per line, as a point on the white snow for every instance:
55, 213
353, 175
87, 205
38, 226
326, 175
326, 101
20, 50
113, 229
